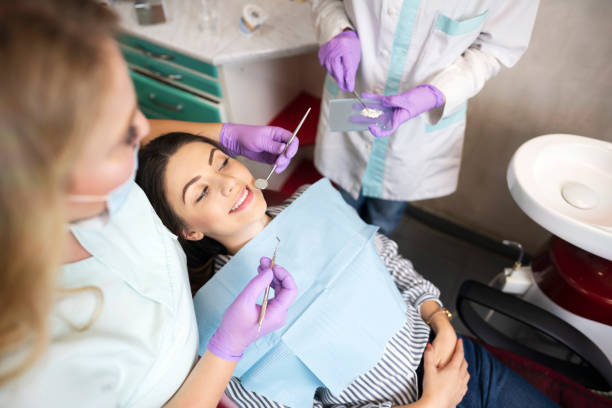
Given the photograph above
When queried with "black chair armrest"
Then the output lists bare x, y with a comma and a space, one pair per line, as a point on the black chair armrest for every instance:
598, 373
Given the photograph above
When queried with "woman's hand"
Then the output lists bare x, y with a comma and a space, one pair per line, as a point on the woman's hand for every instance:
445, 342
260, 143
445, 387
446, 338
239, 327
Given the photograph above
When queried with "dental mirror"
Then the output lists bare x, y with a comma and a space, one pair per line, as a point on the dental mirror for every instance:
262, 184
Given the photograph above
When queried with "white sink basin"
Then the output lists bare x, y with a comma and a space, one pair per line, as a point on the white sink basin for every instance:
564, 183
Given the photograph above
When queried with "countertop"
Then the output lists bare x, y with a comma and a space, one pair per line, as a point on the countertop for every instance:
288, 30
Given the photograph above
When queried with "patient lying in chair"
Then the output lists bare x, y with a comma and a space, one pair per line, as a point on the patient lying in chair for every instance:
358, 334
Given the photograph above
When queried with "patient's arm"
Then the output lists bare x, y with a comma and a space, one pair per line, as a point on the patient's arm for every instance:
162, 126
420, 293
446, 338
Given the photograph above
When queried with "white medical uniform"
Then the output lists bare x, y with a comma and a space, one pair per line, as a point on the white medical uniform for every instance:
454, 45
142, 346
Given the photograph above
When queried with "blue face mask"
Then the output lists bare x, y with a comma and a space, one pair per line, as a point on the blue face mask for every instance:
116, 198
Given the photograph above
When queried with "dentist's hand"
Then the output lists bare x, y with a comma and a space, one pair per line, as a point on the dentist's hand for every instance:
259, 143
406, 106
341, 56
238, 328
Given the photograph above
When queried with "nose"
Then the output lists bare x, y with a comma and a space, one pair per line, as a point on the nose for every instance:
142, 125
228, 186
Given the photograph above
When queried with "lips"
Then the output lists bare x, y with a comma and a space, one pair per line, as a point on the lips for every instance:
243, 200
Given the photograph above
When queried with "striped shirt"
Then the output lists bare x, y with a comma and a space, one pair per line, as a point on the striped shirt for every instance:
392, 381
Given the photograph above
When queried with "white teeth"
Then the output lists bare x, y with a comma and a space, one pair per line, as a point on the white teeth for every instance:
241, 199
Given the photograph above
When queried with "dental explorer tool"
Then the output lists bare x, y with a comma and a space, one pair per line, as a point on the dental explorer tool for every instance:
262, 184
359, 99
264, 304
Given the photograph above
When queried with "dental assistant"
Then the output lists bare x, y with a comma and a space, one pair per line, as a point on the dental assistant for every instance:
115, 325
424, 60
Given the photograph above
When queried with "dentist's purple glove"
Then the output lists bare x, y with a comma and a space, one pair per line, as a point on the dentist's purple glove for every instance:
406, 106
259, 143
238, 328
340, 56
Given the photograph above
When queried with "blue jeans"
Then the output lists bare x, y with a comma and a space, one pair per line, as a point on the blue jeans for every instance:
492, 384
384, 213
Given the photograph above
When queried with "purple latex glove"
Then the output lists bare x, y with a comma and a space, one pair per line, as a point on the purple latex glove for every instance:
260, 143
238, 328
406, 106
340, 56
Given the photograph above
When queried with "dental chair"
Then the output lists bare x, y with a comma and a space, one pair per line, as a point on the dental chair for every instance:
565, 382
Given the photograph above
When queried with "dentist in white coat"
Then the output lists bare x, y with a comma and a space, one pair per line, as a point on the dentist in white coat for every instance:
424, 59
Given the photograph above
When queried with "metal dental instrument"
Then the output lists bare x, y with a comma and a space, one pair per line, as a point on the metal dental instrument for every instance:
360, 101
262, 184
264, 304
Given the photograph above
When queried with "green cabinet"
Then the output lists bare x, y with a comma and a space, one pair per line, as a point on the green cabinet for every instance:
175, 75
157, 52
171, 85
158, 100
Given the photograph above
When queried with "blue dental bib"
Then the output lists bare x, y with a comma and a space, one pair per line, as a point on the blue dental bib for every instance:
347, 308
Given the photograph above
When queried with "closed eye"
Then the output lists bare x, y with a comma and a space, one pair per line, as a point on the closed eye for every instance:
203, 194
131, 136
224, 163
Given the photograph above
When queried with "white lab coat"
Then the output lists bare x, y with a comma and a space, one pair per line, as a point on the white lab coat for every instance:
144, 343
454, 45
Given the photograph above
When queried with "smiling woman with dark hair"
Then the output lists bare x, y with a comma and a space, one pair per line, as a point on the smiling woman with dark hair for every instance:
201, 193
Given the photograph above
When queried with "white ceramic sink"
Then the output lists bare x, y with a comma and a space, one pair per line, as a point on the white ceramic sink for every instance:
564, 183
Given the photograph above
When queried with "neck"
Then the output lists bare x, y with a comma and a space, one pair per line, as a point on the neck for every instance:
74, 252
235, 242
82, 211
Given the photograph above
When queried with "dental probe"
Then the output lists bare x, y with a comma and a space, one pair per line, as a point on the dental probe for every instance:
262, 184
360, 101
264, 304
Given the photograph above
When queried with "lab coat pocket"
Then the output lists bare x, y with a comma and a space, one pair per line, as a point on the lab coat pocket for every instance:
447, 40
457, 28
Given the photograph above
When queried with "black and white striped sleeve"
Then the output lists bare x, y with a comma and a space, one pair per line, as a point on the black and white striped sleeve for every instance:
414, 288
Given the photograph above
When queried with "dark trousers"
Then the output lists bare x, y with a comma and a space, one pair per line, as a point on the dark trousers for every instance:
383, 213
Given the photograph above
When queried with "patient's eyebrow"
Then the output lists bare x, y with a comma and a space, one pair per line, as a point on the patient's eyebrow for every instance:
190, 182
212, 153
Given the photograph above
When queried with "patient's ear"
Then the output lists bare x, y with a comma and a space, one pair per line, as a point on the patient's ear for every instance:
192, 235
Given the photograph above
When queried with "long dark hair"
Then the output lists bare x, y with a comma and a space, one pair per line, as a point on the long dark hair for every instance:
152, 162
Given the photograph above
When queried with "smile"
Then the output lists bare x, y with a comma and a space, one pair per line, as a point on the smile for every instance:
243, 200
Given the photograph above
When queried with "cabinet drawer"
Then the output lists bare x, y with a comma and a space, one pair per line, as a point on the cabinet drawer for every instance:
161, 101
161, 53
172, 73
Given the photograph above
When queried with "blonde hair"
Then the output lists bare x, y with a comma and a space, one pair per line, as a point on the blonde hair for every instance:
53, 77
